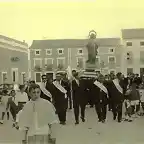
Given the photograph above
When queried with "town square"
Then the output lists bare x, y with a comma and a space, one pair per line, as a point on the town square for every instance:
72, 72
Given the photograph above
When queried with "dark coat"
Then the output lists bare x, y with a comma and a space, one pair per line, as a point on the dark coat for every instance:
59, 100
99, 95
114, 95
79, 92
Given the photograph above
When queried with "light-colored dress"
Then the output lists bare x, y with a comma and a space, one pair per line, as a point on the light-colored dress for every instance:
4, 101
36, 115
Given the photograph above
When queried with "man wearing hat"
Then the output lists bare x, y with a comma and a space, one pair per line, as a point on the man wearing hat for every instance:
116, 96
100, 94
59, 96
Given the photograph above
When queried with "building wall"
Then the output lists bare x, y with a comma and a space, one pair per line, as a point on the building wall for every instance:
6, 64
136, 55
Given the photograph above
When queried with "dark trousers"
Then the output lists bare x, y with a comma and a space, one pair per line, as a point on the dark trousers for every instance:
70, 100
101, 110
77, 107
117, 110
13, 112
62, 116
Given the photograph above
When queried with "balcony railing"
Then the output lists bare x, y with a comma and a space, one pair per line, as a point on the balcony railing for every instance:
37, 68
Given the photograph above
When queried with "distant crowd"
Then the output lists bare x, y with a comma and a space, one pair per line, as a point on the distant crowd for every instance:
104, 92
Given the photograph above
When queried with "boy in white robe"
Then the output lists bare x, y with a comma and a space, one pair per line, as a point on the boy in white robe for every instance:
38, 119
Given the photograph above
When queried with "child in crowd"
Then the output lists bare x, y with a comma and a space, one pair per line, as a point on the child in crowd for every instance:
128, 106
5, 109
135, 99
141, 91
37, 119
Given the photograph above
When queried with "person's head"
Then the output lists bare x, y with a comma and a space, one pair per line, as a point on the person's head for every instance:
58, 76
4, 92
34, 92
32, 82
74, 73
106, 77
13, 93
44, 78
101, 78
22, 88
136, 75
119, 76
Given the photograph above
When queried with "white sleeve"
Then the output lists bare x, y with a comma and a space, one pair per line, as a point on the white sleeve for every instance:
18, 116
45, 91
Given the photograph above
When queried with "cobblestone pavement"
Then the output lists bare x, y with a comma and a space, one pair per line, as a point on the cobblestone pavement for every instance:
90, 132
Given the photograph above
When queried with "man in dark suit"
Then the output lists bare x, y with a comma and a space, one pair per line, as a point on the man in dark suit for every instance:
115, 90
79, 97
45, 94
100, 95
66, 84
59, 96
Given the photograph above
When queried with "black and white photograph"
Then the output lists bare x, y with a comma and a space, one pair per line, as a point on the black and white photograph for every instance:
71, 72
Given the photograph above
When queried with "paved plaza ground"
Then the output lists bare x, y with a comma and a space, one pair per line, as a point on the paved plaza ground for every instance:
90, 132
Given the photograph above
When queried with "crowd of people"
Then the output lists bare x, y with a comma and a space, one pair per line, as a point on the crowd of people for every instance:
105, 93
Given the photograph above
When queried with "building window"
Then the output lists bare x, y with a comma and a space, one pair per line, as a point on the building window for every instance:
129, 43
80, 62
14, 75
49, 64
80, 51
60, 63
111, 50
38, 62
48, 51
37, 52
111, 59
142, 43
4, 77
129, 71
38, 77
60, 51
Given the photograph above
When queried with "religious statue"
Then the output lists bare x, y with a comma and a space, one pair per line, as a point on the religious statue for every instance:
92, 47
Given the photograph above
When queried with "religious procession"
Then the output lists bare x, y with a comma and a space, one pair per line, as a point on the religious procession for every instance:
38, 108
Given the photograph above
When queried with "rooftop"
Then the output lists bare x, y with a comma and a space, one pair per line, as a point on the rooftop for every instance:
72, 43
13, 40
137, 33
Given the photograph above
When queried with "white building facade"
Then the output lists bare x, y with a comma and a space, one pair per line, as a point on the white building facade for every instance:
133, 51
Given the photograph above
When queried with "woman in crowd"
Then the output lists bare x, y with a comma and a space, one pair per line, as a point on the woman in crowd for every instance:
4, 109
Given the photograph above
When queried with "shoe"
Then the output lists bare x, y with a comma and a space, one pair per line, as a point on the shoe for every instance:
1, 121
130, 120
76, 123
83, 119
119, 121
114, 118
99, 120
63, 123
103, 121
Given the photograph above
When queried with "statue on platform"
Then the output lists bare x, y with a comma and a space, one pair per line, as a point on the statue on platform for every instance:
92, 47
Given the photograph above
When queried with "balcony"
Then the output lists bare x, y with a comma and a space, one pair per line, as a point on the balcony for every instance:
37, 68
60, 67
49, 67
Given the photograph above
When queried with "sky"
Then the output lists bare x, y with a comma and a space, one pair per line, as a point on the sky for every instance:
72, 19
